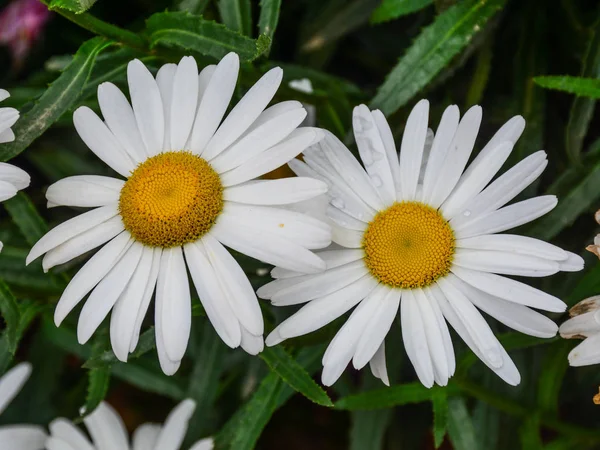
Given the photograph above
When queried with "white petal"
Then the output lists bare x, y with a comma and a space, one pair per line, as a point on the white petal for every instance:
514, 244
15, 176
212, 296
511, 290
82, 243
214, 102
332, 258
507, 371
22, 437
504, 188
66, 431
85, 191
266, 247
344, 220
448, 347
165, 79
124, 314
511, 131
244, 113
7, 190
415, 339
175, 427
204, 78
144, 436
236, 285
573, 263
120, 119
101, 141
90, 274
586, 325
514, 316
378, 326
71, 228
586, 353
274, 157
373, 153
390, 147
107, 428
168, 366
8, 117
251, 343
319, 285
12, 382
272, 112
378, 365
174, 289
252, 144
439, 150
7, 136
411, 149
505, 263
184, 102
474, 322
322, 311
475, 178
203, 444
4, 94
147, 106
276, 192
106, 294
508, 217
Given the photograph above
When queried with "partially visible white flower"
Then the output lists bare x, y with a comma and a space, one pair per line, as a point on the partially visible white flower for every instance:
18, 437
305, 86
107, 431
8, 117
584, 324
595, 247
302, 85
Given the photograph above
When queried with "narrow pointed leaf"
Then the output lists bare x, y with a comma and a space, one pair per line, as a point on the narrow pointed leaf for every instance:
392, 9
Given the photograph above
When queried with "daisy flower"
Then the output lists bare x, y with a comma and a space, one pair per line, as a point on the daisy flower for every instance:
418, 232
187, 189
18, 437
595, 247
107, 431
584, 324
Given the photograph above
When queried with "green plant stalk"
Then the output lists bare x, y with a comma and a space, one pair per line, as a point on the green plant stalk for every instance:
105, 29
510, 407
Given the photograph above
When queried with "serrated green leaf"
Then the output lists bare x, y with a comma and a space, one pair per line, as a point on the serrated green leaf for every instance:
194, 33
401, 394
433, 49
25, 216
58, 98
392, 9
440, 416
98, 380
280, 362
583, 87
107, 358
76, 6
269, 17
11, 315
460, 426
582, 108
236, 15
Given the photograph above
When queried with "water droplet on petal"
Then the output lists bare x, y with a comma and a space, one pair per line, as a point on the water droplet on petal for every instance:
376, 180
466, 213
338, 203
377, 156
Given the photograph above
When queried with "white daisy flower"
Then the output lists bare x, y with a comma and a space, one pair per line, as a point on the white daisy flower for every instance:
107, 431
18, 437
584, 324
8, 117
419, 233
189, 188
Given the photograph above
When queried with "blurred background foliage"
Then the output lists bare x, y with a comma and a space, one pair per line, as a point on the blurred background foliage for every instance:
388, 54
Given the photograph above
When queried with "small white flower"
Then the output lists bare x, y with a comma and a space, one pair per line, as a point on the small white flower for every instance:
419, 233
107, 431
18, 437
8, 117
595, 247
190, 188
584, 324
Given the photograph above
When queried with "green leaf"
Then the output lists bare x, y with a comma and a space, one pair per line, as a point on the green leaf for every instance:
237, 15
433, 49
481, 75
193, 33
440, 416
269, 17
11, 315
76, 6
58, 98
552, 374
401, 394
280, 362
107, 358
149, 378
193, 6
392, 9
26, 217
582, 108
14, 272
368, 429
530, 433
98, 380
583, 87
460, 426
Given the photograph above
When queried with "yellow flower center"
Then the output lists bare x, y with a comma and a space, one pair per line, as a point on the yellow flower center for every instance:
171, 199
408, 245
